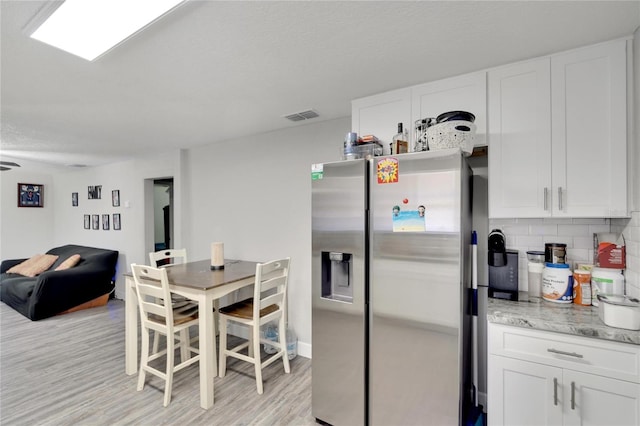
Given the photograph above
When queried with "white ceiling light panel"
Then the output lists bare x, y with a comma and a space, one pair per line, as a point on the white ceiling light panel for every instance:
89, 28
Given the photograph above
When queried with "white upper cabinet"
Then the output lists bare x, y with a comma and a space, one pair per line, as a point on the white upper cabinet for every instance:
520, 136
462, 93
557, 135
589, 131
380, 114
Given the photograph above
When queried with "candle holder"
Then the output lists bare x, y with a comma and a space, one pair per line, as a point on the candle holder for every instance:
217, 256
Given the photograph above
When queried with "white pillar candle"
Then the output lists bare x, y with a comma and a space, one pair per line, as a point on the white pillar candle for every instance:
217, 256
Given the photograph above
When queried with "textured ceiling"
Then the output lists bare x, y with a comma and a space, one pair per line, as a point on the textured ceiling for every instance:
212, 71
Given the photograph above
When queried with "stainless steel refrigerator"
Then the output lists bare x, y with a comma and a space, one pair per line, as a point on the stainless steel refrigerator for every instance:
391, 315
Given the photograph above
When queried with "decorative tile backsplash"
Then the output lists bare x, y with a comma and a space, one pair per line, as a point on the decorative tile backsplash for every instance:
577, 234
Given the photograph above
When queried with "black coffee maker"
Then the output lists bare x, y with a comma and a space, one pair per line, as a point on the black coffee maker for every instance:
503, 268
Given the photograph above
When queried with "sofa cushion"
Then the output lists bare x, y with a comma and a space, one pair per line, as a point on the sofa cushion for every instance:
34, 265
70, 262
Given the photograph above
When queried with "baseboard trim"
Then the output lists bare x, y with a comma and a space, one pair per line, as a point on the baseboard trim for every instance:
304, 349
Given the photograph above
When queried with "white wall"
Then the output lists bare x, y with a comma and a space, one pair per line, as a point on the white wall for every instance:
129, 177
25, 231
254, 194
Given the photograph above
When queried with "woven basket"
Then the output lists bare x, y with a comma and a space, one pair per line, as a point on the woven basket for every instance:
452, 134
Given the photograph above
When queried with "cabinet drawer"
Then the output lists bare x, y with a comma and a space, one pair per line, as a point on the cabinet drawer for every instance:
595, 356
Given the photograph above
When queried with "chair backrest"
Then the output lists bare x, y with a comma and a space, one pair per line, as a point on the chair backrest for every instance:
167, 257
271, 288
152, 288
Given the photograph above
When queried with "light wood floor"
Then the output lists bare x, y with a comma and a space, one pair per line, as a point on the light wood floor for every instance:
69, 370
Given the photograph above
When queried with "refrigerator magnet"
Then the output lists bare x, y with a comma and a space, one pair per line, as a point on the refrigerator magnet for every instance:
387, 170
317, 171
408, 220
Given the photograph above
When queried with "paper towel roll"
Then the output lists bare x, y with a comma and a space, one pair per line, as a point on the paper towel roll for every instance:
217, 256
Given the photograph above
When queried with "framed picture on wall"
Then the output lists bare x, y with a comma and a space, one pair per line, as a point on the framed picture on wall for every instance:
95, 220
115, 198
30, 195
105, 222
74, 199
116, 221
87, 221
94, 192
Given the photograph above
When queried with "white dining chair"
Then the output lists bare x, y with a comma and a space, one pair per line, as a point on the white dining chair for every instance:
267, 304
152, 288
162, 259
167, 257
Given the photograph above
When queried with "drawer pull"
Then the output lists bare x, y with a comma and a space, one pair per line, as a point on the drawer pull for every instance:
555, 391
573, 395
573, 354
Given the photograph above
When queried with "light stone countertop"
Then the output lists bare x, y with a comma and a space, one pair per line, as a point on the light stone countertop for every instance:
548, 316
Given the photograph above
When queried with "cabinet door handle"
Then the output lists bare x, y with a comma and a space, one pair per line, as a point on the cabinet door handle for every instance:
555, 391
559, 352
573, 395
559, 198
546, 198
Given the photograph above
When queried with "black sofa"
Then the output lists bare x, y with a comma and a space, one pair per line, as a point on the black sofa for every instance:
53, 292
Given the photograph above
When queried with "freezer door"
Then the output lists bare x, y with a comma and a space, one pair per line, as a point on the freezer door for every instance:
338, 292
419, 222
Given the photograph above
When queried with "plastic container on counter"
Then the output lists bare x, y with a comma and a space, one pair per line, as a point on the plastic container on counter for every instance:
582, 287
606, 281
557, 283
555, 253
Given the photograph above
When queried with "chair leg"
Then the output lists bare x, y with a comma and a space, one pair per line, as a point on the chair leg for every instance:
169, 372
255, 336
156, 342
283, 342
223, 347
250, 351
144, 358
185, 354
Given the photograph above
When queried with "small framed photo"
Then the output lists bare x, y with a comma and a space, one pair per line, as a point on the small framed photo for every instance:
30, 195
105, 222
87, 221
116, 221
95, 192
74, 199
95, 220
115, 198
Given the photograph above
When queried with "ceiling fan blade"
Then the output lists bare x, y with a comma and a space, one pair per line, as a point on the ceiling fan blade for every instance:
3, 168
9, 163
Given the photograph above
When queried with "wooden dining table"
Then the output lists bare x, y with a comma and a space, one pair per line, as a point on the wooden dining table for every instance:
196, 281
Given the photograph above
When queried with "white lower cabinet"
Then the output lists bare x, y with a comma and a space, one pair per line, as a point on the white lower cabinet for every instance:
542, 378
596, 400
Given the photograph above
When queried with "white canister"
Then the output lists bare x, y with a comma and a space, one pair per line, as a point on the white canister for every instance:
534, 276
606, 281
557, 283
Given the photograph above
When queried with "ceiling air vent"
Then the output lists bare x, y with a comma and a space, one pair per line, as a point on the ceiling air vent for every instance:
302, 115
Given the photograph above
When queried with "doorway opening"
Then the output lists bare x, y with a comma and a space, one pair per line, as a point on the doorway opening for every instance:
163, 236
